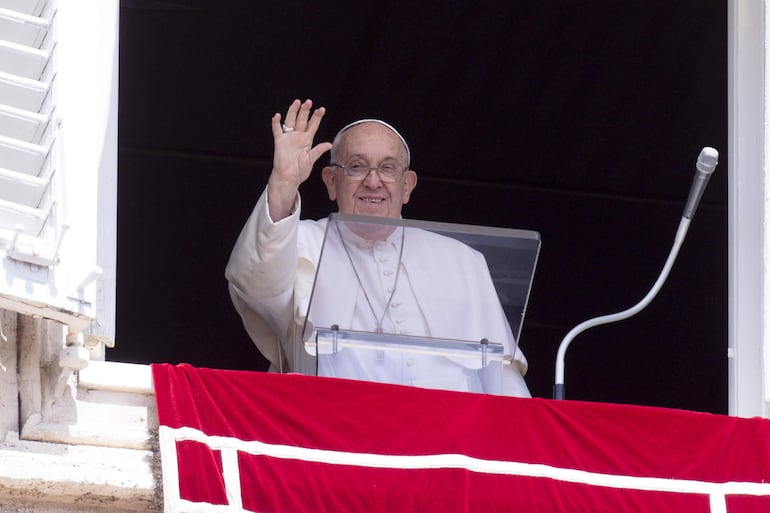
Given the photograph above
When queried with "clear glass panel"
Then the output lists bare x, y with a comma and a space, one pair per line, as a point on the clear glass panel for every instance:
435, 305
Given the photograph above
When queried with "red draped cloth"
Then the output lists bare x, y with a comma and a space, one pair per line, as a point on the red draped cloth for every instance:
295, 444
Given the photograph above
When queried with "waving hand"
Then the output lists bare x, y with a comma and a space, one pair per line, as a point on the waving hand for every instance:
294, 155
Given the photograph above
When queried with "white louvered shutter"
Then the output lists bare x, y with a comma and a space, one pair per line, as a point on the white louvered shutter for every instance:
58, 160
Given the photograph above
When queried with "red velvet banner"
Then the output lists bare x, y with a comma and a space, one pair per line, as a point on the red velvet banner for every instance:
295, 444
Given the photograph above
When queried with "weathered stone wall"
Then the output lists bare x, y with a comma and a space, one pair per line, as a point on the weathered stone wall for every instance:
80, 441
9, 393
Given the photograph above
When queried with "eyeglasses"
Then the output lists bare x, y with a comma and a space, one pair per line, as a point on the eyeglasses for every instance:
358, 170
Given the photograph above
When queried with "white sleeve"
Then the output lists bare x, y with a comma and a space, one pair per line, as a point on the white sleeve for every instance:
261, 273
263, 263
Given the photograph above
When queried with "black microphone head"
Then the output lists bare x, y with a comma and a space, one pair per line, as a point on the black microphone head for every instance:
707, 160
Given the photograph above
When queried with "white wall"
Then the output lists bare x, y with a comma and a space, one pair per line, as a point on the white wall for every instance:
748, 235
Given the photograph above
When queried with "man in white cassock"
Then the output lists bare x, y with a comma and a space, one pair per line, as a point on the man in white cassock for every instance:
401, 281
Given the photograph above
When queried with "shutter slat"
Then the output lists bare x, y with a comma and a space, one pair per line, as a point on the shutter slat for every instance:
29, 7
22, 157
30, 219
22, 124
23, 60
22, 29
22, 93
21, 188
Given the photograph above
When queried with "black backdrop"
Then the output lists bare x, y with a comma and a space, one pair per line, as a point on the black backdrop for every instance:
580, 119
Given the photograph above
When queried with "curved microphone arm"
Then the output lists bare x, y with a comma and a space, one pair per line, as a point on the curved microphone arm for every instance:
704, 167
558, 388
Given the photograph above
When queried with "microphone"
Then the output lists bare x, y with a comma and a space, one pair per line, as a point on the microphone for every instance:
704, 168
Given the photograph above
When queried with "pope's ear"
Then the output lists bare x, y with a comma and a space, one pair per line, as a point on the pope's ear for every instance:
410, 182
330, 179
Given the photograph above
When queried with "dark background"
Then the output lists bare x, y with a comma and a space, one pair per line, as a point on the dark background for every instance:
580, 119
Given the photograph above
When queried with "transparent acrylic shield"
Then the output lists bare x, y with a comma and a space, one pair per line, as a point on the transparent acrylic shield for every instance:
434, 305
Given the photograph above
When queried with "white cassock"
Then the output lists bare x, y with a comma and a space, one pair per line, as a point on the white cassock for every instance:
436, 287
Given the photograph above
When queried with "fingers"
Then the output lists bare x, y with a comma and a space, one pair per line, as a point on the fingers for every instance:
303, 115
315, 120
318, 150
298, 117
291, 114
298, 120
276, 126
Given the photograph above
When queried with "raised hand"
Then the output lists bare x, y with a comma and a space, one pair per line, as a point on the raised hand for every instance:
294, 155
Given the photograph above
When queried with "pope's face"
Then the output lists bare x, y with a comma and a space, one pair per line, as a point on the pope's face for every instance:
373, 144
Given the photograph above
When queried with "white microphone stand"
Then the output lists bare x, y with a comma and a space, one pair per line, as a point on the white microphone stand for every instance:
707, 162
